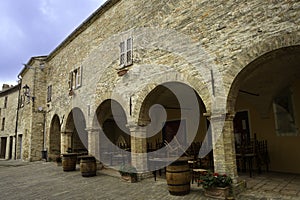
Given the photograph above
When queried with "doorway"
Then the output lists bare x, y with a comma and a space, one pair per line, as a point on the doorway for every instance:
10, 147
3, 147
241, 127
20, 146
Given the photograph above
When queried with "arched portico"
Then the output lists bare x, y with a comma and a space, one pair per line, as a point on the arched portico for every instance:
172, 116
75, 138
54, 138
265, 96
111, 139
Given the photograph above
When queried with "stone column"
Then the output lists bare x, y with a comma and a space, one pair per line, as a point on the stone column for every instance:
66, 141
138, 147
93, 142
223, 145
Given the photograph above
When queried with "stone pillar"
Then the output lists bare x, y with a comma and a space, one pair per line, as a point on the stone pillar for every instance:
66, 141
223, 145
138, 147
93, 142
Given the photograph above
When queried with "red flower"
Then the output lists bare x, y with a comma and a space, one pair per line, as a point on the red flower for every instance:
215, 174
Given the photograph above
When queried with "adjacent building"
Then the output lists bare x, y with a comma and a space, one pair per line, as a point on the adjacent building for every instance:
9, 96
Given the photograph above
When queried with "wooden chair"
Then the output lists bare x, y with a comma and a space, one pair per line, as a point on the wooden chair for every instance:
245, 155
262, 158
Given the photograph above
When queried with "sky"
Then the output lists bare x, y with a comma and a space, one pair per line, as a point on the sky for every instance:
34, 28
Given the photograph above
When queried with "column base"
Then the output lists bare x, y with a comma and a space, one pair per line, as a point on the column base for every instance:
239, 187
144, 175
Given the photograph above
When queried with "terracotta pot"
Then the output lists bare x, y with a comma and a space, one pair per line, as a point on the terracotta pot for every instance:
217, 192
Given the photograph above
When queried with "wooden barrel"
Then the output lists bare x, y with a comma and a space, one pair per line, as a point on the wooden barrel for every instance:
88, 166
178, 177
69, 161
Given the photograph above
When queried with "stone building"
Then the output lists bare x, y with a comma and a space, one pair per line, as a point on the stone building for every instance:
8, 115
223, 73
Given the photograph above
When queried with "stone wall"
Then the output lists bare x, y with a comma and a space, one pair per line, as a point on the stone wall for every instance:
204, 44
207, 35
31, 114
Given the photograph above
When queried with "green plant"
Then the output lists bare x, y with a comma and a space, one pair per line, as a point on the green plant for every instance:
209, 180
128, 170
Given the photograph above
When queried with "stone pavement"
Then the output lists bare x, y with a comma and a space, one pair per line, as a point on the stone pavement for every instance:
45, 180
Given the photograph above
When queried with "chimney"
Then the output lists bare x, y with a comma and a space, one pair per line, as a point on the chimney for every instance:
5, 86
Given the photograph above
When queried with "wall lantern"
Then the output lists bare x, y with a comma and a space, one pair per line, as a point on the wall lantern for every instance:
26, 92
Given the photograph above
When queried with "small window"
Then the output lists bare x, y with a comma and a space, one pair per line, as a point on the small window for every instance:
126, 53
49, 93
5, 102
3, 124
284, 114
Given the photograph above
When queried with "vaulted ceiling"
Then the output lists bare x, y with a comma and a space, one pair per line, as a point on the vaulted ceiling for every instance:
269, 75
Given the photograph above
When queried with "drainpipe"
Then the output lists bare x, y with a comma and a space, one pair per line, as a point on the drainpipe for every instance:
44, 150
17, 116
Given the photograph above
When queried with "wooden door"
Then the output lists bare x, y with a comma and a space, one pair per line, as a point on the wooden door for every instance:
241, 127
10, 147
3, 147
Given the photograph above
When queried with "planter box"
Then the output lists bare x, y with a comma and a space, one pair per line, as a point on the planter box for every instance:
129, 179
217, 192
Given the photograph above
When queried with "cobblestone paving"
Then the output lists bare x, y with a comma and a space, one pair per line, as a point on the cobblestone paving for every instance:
272, 186
45, 180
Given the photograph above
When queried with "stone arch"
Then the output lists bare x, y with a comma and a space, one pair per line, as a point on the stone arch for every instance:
54, 137
249, 55
178, 126
255, 88
75, 134
198, 86
113, 136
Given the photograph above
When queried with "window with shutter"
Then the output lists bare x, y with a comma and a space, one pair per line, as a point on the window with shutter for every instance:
126, 53
75, 78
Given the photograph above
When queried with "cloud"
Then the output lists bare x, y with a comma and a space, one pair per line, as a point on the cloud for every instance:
32, 28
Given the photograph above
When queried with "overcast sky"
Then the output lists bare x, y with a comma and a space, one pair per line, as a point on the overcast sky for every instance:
36, 27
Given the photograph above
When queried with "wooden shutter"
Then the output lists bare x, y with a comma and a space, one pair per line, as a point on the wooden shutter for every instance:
129, 51
78, 77
122, 54
71, 80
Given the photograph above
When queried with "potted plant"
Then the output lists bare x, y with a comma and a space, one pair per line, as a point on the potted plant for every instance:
128, 173
216, 185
